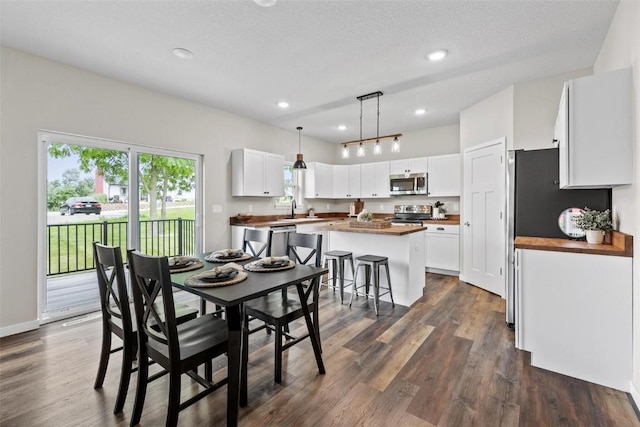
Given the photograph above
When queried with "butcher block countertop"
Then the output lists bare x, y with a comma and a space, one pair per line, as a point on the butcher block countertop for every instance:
394, 230
616, 244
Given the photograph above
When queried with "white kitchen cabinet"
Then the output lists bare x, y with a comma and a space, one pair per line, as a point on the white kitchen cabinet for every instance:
574, 314
346, 181
256, 173
444, 175
318, 181
374, 180
405, 166
594, 131
442, 248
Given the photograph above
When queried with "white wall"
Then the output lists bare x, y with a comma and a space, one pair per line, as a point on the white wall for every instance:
621, 49
42, 94
489, 119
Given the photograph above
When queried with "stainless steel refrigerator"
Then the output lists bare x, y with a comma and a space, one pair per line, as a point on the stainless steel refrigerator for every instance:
535, 202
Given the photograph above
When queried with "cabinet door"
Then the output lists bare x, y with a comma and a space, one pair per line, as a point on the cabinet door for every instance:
324, 180
367, 180
418, 165
442, 251
354, 181
253, 173
340, 181
273, 175
560, 133
381, 179
444, 176
398, 167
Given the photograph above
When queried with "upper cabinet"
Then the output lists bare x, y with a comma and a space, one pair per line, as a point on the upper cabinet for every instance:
593, 131
318, 181
346, 181
374, 180
406, 166
444, 175
256, 173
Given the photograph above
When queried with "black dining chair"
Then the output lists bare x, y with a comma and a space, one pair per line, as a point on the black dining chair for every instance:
179, 349
117, 319
278, 309
257, 242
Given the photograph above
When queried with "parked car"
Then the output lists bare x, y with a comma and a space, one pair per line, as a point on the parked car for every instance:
85, 205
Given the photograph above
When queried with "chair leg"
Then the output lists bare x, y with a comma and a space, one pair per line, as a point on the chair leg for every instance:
104, 358
389, 284
278, 353
354, 286
333, 273
173, 409
341, 272
376, 288
125, 376
141, 389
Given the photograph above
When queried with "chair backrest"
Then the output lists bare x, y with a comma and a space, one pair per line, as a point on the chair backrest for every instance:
114, 298
257, 242
312, 244
150, 281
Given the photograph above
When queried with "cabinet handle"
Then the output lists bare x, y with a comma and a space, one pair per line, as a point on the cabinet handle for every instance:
555, 141
467, 223
440, 228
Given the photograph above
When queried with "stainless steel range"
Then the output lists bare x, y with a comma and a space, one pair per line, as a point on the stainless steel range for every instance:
411, 214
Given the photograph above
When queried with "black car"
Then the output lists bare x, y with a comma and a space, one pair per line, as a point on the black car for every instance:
85, 205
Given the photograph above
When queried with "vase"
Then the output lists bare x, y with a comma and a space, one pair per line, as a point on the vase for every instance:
595, 236
435, 214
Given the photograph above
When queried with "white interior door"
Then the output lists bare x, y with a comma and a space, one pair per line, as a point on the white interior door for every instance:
483, 216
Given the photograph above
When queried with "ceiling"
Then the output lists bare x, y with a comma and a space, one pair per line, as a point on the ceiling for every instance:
318, 55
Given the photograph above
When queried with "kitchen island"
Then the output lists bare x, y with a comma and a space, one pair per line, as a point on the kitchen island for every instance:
403, 245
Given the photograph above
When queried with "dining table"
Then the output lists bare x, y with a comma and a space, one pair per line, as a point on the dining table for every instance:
232, 298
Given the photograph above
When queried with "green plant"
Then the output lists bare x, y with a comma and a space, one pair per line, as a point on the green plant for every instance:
592, 219
365, 216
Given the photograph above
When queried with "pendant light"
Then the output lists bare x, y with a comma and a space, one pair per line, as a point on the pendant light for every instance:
345, 151
299, 164
395, 148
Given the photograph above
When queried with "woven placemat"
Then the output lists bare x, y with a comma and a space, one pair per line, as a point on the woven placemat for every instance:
212, 258
196, 265
195, 282
256, 267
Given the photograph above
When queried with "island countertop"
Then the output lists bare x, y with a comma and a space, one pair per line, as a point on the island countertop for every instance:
394, 230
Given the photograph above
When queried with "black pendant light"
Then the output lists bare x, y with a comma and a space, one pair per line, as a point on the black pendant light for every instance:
299, 164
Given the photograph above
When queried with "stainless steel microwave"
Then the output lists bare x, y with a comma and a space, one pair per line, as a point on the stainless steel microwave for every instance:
408, 184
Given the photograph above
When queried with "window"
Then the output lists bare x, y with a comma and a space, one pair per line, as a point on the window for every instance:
293, 188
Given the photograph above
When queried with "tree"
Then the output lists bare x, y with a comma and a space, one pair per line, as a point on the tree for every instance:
70, 186
158, 174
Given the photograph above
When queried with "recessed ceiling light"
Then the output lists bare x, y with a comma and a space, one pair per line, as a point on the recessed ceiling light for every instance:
437, 55
420, 111
182, 53
265, 3
283, 104
342, 127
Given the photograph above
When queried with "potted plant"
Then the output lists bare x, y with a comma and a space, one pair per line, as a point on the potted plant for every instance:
437, 209
594, 223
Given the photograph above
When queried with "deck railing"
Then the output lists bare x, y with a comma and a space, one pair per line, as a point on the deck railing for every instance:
69, 246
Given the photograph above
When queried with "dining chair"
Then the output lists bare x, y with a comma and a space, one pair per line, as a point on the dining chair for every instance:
278, 309
179, 349
117, 317
256, 242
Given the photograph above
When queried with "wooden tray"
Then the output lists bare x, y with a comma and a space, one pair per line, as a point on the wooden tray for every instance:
370, 224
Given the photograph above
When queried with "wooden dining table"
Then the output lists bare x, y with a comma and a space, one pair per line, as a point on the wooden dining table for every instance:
232, 298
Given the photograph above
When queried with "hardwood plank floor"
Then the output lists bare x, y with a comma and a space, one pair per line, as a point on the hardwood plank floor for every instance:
447, 361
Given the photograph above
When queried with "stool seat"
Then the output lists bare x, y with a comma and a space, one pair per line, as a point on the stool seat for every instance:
372, 264
338, 254
372, 258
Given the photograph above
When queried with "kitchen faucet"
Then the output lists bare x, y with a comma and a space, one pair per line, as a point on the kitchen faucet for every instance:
293, 206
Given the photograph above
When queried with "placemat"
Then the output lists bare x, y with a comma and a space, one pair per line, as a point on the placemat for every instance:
194, 282
194, 266
256, 267
212, 258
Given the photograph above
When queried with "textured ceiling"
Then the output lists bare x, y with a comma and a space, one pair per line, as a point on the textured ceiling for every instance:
318, 55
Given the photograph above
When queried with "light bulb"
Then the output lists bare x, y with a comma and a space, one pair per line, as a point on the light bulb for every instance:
377, 149
345, 152
265, 3
360, 152
396, 145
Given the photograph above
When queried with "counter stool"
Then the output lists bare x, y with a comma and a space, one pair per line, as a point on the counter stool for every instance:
337, 259
372, 262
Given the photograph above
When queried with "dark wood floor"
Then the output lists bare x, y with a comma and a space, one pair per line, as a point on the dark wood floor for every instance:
447, 361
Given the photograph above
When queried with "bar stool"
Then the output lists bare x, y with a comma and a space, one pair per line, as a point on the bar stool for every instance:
337, 259
372, 262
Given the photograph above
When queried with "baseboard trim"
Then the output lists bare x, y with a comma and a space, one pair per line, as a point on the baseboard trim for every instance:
442, 271
635, 397
19, 328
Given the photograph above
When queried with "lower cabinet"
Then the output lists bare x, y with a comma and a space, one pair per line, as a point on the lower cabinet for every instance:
574, 314
442, 248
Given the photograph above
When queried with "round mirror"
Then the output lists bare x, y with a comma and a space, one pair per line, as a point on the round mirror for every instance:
566, 224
